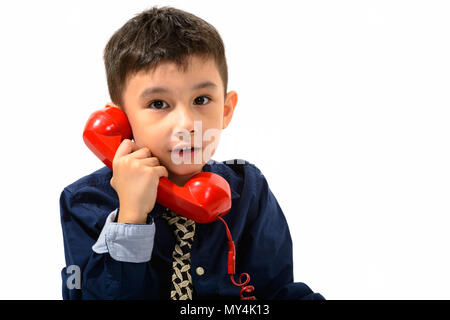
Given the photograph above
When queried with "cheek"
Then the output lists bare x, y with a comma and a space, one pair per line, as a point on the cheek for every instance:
214, 118
148, 136
211, 137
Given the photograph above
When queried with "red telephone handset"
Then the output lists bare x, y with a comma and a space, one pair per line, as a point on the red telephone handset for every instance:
204, 198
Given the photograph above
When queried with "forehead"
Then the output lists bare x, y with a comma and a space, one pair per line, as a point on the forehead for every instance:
195, 68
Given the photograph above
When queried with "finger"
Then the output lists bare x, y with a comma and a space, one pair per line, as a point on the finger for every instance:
161, 171
142, 153
125, 147
150, 162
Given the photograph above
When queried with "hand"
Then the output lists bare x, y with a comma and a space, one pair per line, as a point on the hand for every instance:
135, 178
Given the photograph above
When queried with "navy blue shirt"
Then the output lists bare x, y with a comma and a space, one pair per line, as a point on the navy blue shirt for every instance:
256, 221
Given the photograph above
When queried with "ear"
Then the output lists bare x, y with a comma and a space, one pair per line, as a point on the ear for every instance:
228, 108
111, 104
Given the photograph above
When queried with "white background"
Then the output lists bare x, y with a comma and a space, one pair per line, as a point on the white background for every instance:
343, 105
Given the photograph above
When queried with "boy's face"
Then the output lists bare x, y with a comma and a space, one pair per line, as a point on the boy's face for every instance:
178, 114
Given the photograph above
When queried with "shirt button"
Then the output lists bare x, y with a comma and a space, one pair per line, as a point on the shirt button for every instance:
200, 271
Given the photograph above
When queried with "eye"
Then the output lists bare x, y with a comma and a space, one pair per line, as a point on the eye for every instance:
202, 99
157, 104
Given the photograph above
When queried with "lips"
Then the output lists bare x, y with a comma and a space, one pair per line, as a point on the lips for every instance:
185, 149
189, 150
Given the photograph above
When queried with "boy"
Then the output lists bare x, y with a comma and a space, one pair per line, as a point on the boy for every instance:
166, 69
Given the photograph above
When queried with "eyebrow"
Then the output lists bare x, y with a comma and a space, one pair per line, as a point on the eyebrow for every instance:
151, 90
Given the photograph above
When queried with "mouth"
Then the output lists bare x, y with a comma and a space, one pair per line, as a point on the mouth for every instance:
187, 150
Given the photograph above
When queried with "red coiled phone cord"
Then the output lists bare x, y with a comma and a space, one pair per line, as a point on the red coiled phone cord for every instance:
231, 268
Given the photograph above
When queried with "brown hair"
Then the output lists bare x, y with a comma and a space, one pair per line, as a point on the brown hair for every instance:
156, 35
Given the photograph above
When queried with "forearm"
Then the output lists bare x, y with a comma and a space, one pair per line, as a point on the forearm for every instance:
117, 265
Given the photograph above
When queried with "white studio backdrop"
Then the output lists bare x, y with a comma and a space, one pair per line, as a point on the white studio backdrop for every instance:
343, 105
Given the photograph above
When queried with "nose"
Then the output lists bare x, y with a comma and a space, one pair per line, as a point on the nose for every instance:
184, 121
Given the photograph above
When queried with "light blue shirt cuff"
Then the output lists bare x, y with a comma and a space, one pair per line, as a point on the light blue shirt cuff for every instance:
126, 242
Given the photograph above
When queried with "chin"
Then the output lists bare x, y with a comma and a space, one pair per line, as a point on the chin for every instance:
184, 169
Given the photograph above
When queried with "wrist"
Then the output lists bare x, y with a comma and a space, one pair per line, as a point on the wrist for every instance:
131, 217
